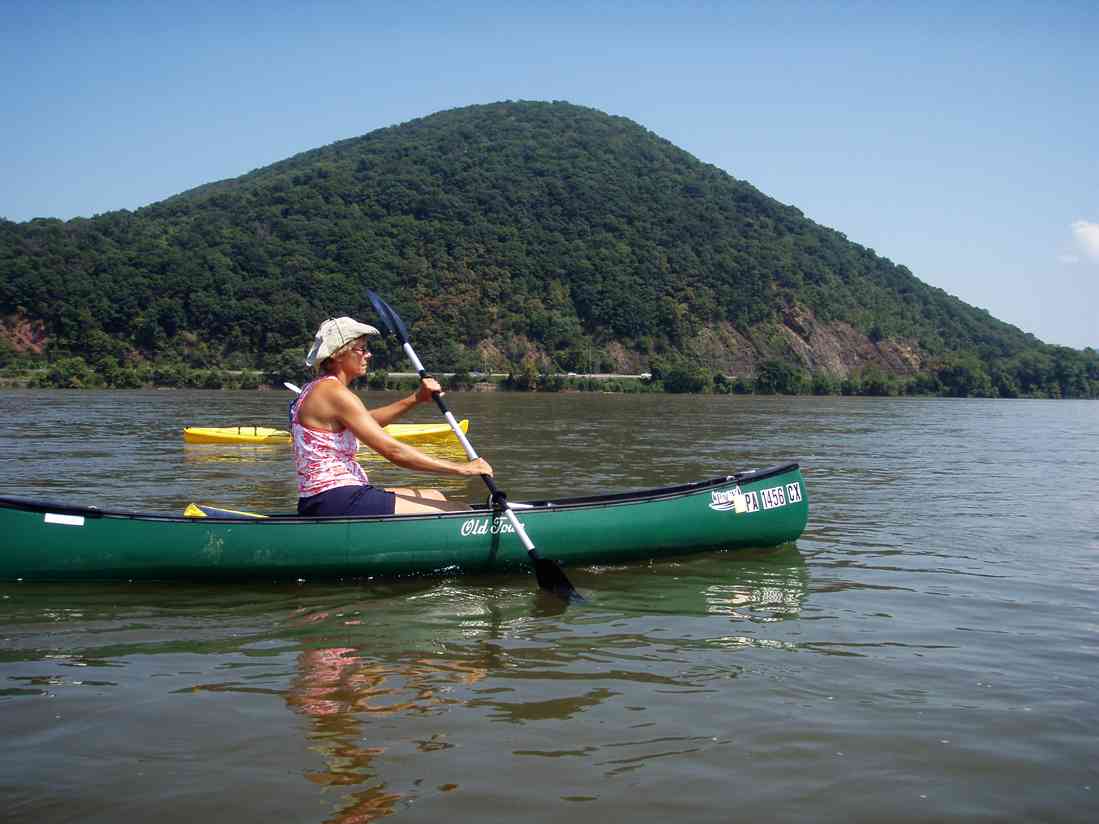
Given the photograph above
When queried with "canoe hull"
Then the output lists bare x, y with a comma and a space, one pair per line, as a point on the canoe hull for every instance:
52, 542
407, 432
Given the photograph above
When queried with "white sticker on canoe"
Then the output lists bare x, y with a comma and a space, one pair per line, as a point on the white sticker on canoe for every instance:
66, 520
725, 500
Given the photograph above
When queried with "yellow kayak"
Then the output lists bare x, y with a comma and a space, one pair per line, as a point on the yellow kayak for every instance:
407, 432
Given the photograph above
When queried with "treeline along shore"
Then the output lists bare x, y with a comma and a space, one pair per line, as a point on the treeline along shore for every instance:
774, 378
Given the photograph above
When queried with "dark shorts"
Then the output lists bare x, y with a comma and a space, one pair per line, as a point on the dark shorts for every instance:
349, 500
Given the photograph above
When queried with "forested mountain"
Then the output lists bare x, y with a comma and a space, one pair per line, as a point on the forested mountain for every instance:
507, 234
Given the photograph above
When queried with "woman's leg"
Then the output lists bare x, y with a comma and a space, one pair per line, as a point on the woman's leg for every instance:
420, 504
429, 494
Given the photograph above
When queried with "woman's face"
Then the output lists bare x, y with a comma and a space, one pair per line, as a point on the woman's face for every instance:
357, 359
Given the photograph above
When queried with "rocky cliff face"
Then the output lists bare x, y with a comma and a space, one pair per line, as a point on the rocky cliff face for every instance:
834, 347
22, 334
840, 349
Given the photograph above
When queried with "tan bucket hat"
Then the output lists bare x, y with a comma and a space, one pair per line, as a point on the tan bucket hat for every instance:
334, 333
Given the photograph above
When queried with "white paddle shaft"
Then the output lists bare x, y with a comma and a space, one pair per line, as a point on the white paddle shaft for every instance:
471, 453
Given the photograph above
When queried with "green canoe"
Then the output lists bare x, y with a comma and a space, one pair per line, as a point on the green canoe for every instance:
58, 542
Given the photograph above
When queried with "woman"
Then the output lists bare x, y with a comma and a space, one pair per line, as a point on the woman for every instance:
328, 421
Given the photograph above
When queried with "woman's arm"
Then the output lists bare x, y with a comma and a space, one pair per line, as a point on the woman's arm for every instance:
349, 410
385, 415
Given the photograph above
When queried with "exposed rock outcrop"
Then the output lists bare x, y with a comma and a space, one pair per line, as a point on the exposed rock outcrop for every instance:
23, 334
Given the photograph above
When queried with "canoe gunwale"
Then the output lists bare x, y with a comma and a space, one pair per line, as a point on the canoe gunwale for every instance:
748, 476
558, 505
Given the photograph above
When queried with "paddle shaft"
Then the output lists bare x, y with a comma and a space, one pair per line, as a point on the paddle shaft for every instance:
549, 574
471, 452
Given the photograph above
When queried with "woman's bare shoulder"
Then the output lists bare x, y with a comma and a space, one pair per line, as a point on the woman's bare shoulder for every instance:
334, 395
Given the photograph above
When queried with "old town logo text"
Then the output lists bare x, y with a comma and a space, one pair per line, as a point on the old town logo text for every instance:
482, 526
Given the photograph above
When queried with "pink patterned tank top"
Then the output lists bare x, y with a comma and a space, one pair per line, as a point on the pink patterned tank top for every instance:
323, 460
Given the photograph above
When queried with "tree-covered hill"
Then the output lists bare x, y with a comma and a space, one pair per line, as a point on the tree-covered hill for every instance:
539, 232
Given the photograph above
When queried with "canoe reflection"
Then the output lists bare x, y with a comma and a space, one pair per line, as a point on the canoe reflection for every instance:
759, 585
772, 596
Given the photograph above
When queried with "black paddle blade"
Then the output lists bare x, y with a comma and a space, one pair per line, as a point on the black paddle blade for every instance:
390, 318
380, 308
552, 579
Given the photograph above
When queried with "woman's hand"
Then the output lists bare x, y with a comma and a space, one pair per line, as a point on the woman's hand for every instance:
427, 389
477, 467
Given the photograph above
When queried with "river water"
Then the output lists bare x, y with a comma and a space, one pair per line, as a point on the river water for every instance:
927, 651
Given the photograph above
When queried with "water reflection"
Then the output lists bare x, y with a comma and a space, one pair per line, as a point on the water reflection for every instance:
203, 453
951, 645
340, 692
383, 674
342, 689
757, 585
517, 657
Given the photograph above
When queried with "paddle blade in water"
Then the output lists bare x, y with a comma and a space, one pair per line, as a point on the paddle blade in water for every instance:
552, 579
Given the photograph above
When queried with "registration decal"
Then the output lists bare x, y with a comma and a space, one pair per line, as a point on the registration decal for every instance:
733, 500
773, 497
793, 493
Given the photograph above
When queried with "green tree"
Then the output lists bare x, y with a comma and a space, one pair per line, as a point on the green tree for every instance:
825, 383
71, 373
777, 377
963, 376
286, 365
876, 382
680, 375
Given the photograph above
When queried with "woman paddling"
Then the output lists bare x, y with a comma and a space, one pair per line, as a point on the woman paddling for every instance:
328, 422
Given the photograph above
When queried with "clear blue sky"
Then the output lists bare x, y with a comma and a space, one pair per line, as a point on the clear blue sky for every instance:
958, 139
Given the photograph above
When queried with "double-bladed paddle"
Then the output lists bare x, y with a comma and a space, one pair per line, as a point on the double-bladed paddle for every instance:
549, 574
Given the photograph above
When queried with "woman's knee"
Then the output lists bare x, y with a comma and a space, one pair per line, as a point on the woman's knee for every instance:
425, 494
412, 505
